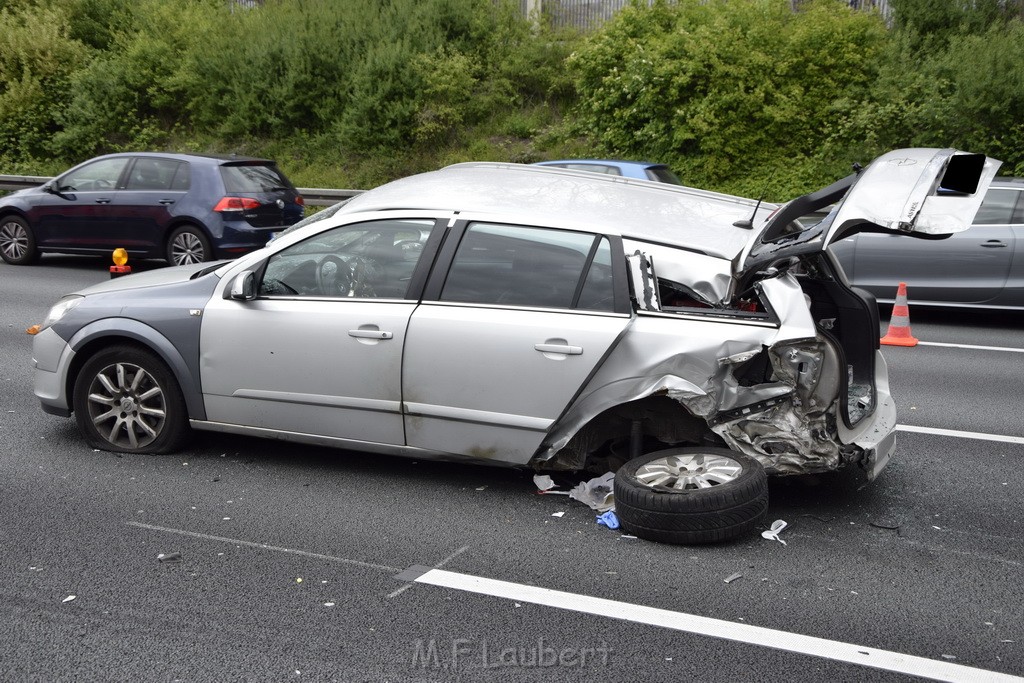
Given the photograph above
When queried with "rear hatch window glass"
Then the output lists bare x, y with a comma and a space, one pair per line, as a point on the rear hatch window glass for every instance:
265, 183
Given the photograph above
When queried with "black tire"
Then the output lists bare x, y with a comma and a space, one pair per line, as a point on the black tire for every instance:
127, 400
17, 243
186, 245
659, 512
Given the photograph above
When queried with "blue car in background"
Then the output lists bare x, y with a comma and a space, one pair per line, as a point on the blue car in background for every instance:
644, 170
184, 208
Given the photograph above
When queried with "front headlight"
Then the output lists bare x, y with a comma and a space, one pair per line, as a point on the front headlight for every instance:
60, 309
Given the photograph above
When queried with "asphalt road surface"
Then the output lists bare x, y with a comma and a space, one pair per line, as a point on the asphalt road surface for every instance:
289, 554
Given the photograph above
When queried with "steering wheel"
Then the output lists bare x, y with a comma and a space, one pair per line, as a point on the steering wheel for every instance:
333, 276
364, 271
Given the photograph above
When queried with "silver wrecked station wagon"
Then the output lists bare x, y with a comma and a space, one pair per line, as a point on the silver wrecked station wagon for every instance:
522, 315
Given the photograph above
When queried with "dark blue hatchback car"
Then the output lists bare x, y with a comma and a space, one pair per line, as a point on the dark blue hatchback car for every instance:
185, 208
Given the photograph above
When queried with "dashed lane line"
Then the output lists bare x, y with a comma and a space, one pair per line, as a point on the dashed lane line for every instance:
982, 436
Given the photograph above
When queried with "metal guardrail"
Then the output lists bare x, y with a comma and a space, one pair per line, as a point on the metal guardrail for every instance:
313, 196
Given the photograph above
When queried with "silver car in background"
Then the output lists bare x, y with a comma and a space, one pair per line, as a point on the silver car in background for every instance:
979, 268
520, 315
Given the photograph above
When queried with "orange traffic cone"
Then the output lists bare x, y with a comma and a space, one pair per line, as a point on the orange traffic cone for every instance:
898, 333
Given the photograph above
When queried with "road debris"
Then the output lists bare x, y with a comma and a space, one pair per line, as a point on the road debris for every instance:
558, 514
772, 534
597, 494
169, 557
69, 598
733, 577
608, 519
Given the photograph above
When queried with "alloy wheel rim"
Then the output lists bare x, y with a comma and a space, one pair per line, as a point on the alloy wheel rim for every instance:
689, 471
186, 249
13, 240
127, 406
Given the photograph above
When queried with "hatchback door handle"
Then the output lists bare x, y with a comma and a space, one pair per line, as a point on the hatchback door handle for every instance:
370, 334
559, 348
993, 244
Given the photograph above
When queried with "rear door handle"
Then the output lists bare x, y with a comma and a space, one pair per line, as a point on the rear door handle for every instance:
370, 334
103, 200
993, 244
165, 202
559, 348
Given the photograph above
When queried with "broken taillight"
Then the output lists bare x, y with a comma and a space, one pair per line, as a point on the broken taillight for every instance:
236, 204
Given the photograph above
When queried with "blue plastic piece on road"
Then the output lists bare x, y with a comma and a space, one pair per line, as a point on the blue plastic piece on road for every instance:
609, 520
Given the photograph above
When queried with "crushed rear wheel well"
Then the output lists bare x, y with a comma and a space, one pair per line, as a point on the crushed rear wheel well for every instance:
618, 433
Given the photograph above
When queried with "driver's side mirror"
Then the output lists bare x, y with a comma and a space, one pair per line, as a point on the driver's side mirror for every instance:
243, 287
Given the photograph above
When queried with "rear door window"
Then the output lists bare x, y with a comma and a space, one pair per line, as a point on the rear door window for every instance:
998, 208
534, 267
149, 173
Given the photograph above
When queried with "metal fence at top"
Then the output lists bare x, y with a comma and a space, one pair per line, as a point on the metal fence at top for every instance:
589, 14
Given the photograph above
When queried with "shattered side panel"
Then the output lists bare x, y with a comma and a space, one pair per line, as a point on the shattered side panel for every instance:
785, 419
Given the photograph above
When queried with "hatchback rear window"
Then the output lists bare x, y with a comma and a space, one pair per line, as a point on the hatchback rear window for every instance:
253, 178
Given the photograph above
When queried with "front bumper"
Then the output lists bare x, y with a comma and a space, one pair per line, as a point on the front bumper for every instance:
51, 358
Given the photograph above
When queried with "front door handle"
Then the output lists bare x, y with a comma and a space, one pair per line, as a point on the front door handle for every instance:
165, 202
103, 200
993, 244
559, 348
370, 334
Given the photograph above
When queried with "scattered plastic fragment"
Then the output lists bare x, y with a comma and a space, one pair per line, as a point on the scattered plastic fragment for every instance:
481, 488
543, 482
626, 536
597, 494
169, 557
298, 579
733, 577
69, 598
608, 519
328, 604
772, 534
557, 514
949, 656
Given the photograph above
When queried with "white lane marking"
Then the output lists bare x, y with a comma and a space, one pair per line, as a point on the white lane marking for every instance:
981, 436
401, 589
264, 546
1009, 349
706, 626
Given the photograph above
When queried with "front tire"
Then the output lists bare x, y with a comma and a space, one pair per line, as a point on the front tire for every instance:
126, 400
691, 495
17, 243
187, 245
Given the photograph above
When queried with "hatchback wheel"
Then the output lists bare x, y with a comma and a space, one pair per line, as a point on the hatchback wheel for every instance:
127, 401
17, 243
691, 495
187, 245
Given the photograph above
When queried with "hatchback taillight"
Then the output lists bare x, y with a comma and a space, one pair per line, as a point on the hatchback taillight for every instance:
299, 200
236, 204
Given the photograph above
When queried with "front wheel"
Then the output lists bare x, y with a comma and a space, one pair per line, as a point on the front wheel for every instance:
691, 495
127, 400
187, 245
17, 243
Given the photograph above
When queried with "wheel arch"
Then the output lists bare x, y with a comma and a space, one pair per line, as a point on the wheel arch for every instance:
108, 332
609, 436
189, 221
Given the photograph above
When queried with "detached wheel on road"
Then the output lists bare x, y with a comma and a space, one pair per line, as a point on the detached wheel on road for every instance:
187, 245
691, 495
127, 401
17, 243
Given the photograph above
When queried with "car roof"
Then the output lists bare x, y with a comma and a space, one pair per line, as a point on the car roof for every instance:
188, 156
541, 195
639, 165
1008, 182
